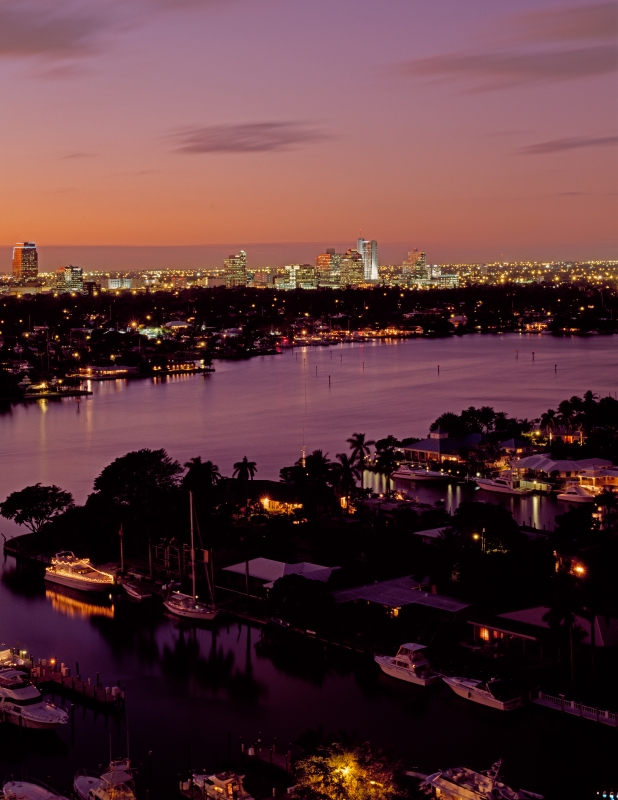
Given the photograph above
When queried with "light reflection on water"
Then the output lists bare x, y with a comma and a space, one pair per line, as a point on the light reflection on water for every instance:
75, 606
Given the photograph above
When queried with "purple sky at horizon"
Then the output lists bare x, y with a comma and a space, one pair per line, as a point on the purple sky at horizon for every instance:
472, 130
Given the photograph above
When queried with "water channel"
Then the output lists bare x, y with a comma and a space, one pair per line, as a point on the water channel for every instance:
189, 688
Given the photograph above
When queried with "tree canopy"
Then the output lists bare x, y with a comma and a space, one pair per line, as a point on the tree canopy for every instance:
36, 505
138, 478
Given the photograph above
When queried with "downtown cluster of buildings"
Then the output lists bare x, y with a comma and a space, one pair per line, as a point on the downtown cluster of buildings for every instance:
356, 267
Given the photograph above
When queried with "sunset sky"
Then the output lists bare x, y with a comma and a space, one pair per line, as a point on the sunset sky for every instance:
468, 128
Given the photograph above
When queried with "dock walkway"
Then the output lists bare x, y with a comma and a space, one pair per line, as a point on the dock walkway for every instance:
575, 709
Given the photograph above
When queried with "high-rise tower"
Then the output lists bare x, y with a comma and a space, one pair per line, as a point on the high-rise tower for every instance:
369, 251
236, 270
25, 261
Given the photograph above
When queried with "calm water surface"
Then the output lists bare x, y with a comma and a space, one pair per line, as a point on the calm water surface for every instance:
188, 687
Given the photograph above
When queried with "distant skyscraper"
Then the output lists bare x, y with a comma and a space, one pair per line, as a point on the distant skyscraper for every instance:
25, 261
236, 270
328, 266
352, 269
416, 267
369, 251
69, 279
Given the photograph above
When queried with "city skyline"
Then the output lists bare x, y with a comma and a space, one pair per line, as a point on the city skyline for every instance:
472, 150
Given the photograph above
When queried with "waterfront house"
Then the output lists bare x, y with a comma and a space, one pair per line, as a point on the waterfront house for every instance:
398, 593
438, 447
540, 470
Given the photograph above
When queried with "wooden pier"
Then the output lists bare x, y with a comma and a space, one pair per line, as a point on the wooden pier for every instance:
575, 709
47, 675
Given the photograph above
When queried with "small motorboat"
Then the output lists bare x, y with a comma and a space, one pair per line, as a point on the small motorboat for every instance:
459, 782
493, 693
410, 474
114, 784
135, 591
410, 664
29, 790
218, 786
502, 485
576, 494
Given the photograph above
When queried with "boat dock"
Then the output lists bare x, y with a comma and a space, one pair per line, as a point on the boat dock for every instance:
49, 675
575, 709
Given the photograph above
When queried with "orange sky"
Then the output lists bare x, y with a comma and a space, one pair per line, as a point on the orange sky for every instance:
464, 129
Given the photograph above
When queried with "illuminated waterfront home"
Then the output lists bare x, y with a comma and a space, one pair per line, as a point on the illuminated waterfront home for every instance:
77, 573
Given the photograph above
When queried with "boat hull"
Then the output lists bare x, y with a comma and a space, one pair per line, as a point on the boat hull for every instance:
31, 724
79, 585
404, 674
420, 476
503, 489
136, 592
190, 613
574, 498
483, 698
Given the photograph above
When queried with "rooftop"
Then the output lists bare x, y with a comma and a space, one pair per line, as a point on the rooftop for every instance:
269, 570
399, 592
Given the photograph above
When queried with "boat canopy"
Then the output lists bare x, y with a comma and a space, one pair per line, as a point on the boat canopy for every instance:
411, 647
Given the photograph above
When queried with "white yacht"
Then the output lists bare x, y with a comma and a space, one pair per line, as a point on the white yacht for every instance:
187, 605
221, 785
77, 573
492, 693
114, 784
419, 474
576, 494
502, 485
29, 790
21, 703
460, 782
410, 664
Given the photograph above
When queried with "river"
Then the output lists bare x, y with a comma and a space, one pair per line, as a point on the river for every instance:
189, 687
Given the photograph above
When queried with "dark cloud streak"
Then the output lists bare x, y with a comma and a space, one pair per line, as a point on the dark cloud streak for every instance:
251, 137
572, 143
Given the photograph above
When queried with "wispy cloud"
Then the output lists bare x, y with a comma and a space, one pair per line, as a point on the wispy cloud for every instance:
529, 49
251, 137
79, 154
571, 143
567, 23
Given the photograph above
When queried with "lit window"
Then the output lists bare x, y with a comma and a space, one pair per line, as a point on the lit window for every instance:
484, 634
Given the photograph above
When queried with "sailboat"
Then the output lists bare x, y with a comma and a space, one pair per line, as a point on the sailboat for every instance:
187, 605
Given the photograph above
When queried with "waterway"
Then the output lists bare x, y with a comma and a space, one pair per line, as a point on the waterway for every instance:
189, 688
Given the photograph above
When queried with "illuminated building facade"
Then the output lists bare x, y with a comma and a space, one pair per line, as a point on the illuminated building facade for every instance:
352, 269
369, 251
328, 268
25, 261
69, 279
236, 269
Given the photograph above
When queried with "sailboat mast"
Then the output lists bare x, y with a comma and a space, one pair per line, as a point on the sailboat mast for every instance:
192, 545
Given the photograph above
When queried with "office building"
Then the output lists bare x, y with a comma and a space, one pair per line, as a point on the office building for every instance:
69, 279
328, 268
118, 283
297, 276
369, 251
352, 269
25, 262
236, 270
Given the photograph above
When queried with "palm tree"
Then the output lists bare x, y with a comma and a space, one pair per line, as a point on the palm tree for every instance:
244, 470
347, 473
360, 447
201, 474
386, 464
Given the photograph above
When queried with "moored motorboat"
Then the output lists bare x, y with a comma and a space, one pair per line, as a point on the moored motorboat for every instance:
460, 782
576, 494
502, 486
135, 591
492, 693
116, 783
420, 474
29, 790
410, 664
21, 703
219, 786
77, 573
